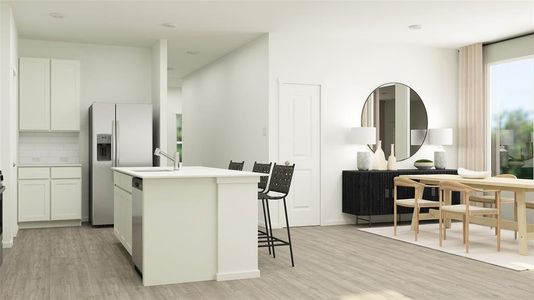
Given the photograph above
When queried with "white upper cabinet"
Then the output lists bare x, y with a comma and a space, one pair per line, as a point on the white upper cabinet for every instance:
49, 94
34, 94
65, 95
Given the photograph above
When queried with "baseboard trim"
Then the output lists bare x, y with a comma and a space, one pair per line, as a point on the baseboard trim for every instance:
7, 244
237, 275
50, 224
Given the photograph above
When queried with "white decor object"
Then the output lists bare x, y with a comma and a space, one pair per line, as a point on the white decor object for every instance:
423, 165
440, 137
392, 161
470, 174
379, 162
364, 136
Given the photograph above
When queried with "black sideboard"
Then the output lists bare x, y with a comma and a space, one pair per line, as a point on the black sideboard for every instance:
370, 193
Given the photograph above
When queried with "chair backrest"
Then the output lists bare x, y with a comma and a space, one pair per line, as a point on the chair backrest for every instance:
407, 182
262, 168
236, 166
281, 178
512, 176
452, 186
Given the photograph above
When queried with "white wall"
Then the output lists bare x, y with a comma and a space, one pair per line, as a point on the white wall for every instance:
110, 74
174, 106
8, 120
159, 97
349, 71
225, 106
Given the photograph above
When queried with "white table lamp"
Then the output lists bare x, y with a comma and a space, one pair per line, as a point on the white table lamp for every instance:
440, 137
364, 136
417, 137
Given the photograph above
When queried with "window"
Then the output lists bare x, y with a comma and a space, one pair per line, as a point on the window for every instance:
511, 95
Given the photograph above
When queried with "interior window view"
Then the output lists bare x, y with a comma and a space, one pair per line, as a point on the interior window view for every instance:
349, 150
511, 86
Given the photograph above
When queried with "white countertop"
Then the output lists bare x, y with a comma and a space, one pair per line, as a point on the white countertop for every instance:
184, 172
47, 165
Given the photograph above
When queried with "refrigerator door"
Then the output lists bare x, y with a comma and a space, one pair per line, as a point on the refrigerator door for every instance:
102, 118
134, 135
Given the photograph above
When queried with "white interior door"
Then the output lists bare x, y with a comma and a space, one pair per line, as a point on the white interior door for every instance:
299, 143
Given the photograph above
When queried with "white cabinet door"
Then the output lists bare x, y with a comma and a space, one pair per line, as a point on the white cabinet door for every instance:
127, 213
34, 94
65, 95
122, 221
66, 199
117, 208
34, 200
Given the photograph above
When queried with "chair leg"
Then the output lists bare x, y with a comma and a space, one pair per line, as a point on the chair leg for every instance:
265, 222
466, 233
515, 219
395, 219
499, 232
463, 229
416, 229
270, 230
289, 235
440, 228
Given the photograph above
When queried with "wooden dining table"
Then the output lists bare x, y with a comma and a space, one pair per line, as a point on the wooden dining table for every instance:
518, 186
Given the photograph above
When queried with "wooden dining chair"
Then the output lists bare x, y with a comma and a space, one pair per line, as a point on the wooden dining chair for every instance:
416, 203
466, 210
489, 200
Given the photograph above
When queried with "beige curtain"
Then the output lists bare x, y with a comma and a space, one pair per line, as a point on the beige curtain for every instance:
472, 109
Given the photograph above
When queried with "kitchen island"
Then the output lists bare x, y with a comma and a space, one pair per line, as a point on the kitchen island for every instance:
194, 224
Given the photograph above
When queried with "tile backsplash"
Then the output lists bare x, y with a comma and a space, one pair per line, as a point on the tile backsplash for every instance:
49, 148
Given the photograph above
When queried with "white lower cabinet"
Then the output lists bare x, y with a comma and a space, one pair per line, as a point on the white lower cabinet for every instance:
34, 200
65, 201
122, 206
49, 196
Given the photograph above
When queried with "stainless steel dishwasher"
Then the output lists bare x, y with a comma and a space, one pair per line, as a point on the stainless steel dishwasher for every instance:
137, 223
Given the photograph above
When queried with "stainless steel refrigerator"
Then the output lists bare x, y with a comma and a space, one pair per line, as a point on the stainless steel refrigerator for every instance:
120, 135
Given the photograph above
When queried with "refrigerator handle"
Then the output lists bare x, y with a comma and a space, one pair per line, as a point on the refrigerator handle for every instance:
113, 145
117, 132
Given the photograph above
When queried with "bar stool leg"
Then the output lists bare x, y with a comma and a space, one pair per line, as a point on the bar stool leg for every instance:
265, 222
270, 229
288, 235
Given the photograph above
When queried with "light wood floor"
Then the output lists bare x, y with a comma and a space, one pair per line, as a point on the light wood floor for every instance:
337, 262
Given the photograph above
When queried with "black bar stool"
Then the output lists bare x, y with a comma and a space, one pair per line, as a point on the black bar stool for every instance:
263, 236
279, 186
236, 166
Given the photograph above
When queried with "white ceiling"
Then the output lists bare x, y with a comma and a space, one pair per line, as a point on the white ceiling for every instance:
216, 28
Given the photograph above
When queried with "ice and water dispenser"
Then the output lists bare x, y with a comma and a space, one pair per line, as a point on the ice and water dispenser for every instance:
103, 147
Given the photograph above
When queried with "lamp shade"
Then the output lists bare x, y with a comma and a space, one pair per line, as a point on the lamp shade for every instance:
417, 136
507, 137
363, 135
440, 136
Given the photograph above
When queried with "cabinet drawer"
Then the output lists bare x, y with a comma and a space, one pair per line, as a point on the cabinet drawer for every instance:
66, 172
34, 173
123, 181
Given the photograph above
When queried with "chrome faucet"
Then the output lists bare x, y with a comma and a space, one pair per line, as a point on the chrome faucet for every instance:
175, 160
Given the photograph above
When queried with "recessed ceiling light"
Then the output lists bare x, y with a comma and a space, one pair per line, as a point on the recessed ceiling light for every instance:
415, 27
56, 15
191, 52
169, 25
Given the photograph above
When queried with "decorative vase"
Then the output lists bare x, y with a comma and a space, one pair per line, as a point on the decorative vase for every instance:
392, 161
365, 160
379, 161
440, 162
